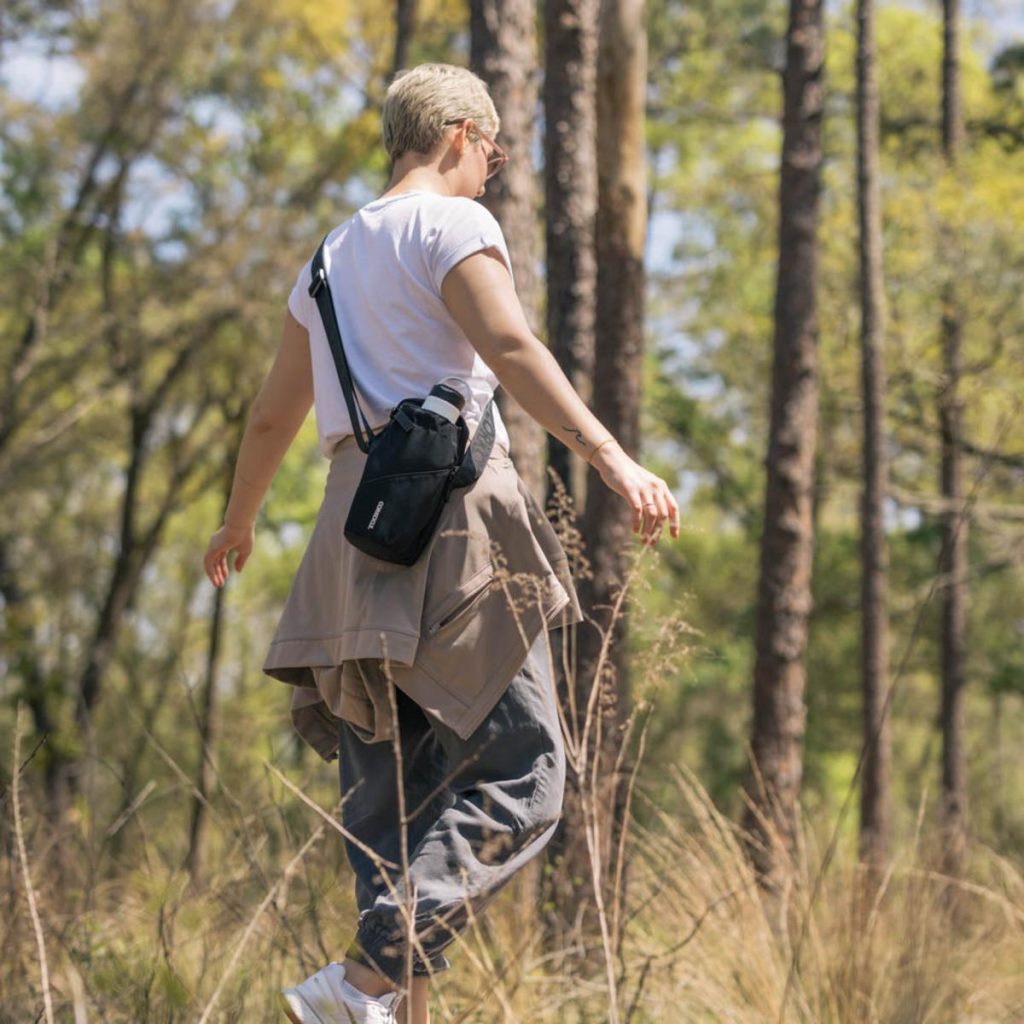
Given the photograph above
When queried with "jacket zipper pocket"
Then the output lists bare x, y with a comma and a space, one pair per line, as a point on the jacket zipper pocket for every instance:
464, 607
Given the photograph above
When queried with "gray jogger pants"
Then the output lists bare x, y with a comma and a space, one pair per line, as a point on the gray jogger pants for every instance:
478, 810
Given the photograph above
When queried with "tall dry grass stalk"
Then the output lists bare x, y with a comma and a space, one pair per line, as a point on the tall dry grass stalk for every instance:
26, 873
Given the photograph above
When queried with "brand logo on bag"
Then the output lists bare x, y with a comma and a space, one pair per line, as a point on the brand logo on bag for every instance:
376, 512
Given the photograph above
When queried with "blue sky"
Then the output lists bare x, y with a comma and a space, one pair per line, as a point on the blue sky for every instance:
33, 76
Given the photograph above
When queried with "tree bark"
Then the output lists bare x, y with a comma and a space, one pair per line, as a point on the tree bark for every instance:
620, 232
570, 177
874, 794
405, 27
954, 521
570, 180
21, 644
503, 52
784, 588
206, 723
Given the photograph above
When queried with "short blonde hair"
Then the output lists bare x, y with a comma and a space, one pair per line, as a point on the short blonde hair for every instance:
420, 100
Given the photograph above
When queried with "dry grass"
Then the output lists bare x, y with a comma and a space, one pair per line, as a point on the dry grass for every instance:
132, 938
700, 946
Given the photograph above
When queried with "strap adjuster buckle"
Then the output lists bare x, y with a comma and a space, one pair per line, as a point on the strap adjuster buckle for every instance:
318, 282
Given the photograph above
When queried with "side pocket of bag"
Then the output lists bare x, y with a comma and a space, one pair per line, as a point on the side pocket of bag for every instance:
392, 516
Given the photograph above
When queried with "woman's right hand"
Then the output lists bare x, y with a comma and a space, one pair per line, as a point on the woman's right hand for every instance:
239, 539
648, 495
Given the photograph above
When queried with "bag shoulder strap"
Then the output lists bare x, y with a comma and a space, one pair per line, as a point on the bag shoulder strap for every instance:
478, 451
320, 290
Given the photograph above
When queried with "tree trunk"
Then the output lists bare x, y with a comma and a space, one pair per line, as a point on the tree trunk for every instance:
570, 179
405, 26
570, 175
999, 815
503, 52
20, 645
784, 589
136, 548
874, 794
621, 227
207, 717
954, 522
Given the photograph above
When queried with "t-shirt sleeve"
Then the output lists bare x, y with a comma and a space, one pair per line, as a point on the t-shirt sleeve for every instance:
468, 227
299, 301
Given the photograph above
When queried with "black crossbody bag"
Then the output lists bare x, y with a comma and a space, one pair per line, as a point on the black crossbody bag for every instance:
413, 462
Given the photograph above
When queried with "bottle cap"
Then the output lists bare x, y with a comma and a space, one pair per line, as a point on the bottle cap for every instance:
460, 386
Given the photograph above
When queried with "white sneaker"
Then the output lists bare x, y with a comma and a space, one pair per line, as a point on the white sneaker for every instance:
327, 998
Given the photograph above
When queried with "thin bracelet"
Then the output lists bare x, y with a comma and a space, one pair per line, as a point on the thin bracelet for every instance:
597, 449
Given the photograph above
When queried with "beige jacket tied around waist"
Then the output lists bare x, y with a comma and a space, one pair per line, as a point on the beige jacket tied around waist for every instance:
451, 631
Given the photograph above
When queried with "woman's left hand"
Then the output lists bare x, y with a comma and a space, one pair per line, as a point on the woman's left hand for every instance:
239, 539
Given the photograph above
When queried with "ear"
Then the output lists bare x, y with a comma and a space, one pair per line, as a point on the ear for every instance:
460, 140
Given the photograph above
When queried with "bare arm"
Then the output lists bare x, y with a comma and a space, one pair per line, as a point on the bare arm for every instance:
480, 295
277, 413
481, 298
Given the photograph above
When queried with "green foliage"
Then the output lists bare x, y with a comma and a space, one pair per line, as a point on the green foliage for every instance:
152, 222
715, 109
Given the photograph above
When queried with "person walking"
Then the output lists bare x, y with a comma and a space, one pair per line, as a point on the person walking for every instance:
431, 684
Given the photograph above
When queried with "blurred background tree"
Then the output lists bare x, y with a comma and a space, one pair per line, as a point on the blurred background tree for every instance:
167, 168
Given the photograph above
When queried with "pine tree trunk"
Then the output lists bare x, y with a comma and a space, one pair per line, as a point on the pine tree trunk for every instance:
874, 794
570, 178
621, 228
503, 52
570, 174
405, 27
954, 524
784, 590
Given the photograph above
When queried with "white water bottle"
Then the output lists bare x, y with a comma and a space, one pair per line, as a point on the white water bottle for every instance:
448, 397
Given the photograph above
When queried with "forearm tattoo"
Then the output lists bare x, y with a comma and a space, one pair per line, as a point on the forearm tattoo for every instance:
576, 431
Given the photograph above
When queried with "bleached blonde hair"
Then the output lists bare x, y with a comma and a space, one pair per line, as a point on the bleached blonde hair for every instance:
420, 100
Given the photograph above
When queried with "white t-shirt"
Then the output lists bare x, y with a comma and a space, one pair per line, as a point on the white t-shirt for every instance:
385, 265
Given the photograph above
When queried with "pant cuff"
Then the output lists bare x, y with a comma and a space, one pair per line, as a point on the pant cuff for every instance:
381, 946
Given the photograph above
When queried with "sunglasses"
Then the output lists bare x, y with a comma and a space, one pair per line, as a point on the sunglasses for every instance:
498, 157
